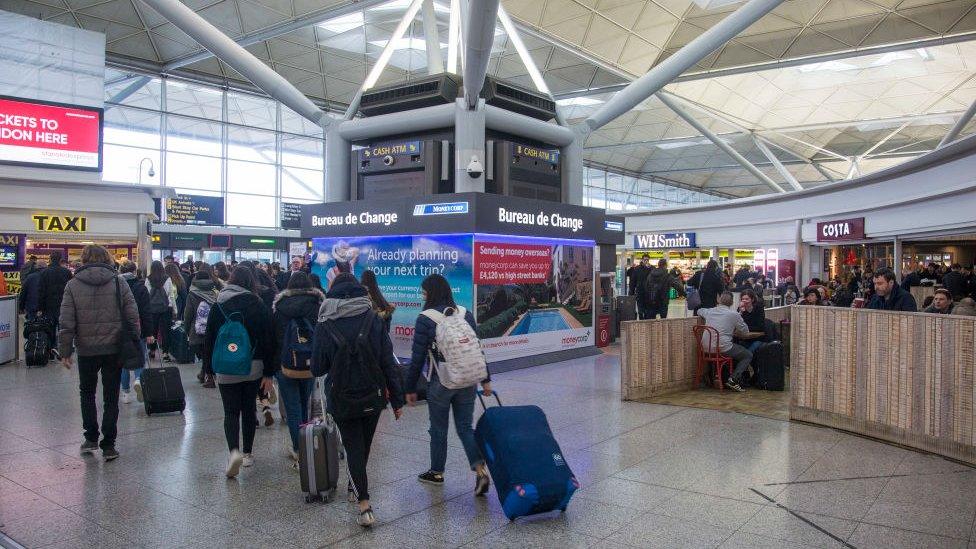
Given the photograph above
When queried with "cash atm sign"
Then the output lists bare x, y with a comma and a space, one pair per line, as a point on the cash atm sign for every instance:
408, 148
546, 155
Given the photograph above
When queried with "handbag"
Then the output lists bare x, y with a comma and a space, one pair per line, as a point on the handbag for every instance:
694, 299
130, 352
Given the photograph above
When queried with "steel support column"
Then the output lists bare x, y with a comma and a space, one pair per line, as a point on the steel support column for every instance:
671, 104
232, 53
479, 36
573, 172
127, 91
672, 67
783, 170
897, 259
435, 65
337, 168
469, 143
958, 127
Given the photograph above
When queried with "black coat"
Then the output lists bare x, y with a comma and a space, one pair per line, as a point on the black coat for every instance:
897, 300
423, 340
51, 290
292, 304
955, 282
30, 294
709, 288
324, 347
637, 278
256, 321
665, 281
141, 294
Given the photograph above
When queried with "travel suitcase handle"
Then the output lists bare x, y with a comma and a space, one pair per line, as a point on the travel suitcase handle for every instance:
481, 394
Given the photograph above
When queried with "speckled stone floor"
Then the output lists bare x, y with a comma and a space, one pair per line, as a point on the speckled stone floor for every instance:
653, 476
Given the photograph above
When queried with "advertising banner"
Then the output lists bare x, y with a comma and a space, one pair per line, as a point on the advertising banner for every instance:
189, 209
534, 295
44, 134
840, 230
8, 325
400, 264
13, 248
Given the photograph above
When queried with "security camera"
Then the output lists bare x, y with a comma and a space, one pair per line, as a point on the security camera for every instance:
152, 172
475, 169
388, 160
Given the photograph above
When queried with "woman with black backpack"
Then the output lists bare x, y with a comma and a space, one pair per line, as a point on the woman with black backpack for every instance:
439, 300
295, 312
353, 349
238, 303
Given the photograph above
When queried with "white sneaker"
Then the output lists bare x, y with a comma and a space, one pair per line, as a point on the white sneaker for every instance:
248, 460
137, 387
125, 397
234, 463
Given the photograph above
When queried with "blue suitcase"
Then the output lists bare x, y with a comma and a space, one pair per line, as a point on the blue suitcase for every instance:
529, 471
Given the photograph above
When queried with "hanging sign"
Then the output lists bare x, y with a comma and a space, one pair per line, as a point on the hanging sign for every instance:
60, 223
841, 229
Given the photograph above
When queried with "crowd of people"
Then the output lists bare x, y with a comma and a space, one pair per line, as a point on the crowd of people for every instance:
291, 331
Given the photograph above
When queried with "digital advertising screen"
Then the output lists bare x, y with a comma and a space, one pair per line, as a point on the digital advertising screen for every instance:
400, 263
8, 256
534, 295
189, 209
52, 135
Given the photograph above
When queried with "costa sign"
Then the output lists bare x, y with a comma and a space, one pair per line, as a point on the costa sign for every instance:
35, 133
841, 229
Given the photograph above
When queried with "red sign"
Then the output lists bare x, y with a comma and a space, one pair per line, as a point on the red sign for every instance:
48, 134
500, 263
602, 330
841, 229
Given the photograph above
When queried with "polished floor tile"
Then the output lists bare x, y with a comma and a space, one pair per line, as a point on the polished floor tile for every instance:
652, 475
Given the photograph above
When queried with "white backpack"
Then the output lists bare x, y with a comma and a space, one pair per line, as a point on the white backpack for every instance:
464, 364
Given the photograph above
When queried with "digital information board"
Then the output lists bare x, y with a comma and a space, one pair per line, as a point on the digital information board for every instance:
291, 215
190, 209
50, 135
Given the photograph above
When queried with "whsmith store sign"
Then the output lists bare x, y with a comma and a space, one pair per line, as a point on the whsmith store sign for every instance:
664, 241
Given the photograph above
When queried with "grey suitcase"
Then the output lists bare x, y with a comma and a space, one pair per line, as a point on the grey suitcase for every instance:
319, 448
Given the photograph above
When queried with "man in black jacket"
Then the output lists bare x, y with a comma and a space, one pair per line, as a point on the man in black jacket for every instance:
51, 287
653, 295
955, 282
888, 295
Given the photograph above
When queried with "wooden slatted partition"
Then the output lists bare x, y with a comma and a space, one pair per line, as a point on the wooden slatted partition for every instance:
657, 356
902, 377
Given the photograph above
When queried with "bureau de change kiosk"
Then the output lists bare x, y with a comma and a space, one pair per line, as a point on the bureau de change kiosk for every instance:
525, 268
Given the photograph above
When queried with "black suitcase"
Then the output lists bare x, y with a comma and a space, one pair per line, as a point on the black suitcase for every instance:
768, 362
162, 390
179, 346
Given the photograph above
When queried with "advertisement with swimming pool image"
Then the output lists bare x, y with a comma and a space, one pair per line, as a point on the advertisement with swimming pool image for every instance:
400, 263
534, 295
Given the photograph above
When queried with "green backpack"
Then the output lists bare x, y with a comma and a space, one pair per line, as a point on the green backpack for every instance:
232, 351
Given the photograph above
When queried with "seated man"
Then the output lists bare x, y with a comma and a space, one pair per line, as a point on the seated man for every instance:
729, 324
941, 303
888, 295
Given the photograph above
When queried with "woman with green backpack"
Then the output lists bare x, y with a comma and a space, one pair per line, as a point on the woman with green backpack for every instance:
240, 345
296, 310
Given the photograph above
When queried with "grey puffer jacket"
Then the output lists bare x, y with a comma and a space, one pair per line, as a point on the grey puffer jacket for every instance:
90, 321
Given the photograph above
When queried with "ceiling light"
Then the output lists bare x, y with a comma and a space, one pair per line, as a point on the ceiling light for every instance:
406, 44
343, 24
579, 102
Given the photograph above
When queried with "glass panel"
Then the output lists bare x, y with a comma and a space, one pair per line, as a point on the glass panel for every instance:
292, 122
302, 152
121, 164
192, 135
194, 100
250, 144
251, 211
250, 177
192, 172
250, 110
124, 88
133, 127
299, 183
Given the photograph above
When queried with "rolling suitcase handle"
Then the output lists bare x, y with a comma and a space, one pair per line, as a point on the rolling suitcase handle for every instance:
481, 393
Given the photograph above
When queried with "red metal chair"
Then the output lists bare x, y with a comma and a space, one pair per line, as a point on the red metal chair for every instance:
707, 339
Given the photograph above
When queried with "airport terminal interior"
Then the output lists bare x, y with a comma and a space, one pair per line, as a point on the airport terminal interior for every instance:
487, 273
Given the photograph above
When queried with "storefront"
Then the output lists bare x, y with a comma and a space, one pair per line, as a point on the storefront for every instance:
214, 244
525, 268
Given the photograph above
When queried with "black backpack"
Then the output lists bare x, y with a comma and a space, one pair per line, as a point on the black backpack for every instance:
358, 384
158, 300
654, 289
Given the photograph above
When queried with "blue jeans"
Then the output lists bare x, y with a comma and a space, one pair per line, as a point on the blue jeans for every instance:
440, 402
753, 346
136, 373
294, 394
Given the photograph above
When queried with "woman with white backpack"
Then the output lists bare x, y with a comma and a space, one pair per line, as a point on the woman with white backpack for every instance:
445, 333
202, 295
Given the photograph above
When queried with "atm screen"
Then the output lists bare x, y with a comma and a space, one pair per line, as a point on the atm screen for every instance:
8, 256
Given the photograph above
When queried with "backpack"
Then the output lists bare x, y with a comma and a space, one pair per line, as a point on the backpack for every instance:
203, 313
296, 349
464, 363
358, 386
232, 350
654, 290
158, 300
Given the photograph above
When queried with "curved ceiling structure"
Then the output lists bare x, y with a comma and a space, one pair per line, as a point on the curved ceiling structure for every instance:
815, 91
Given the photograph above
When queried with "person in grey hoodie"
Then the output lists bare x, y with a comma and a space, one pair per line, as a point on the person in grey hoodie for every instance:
91, 323
203, 289
239, 393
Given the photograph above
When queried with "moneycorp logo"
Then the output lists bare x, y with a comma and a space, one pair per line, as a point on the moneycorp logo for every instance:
576, 340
